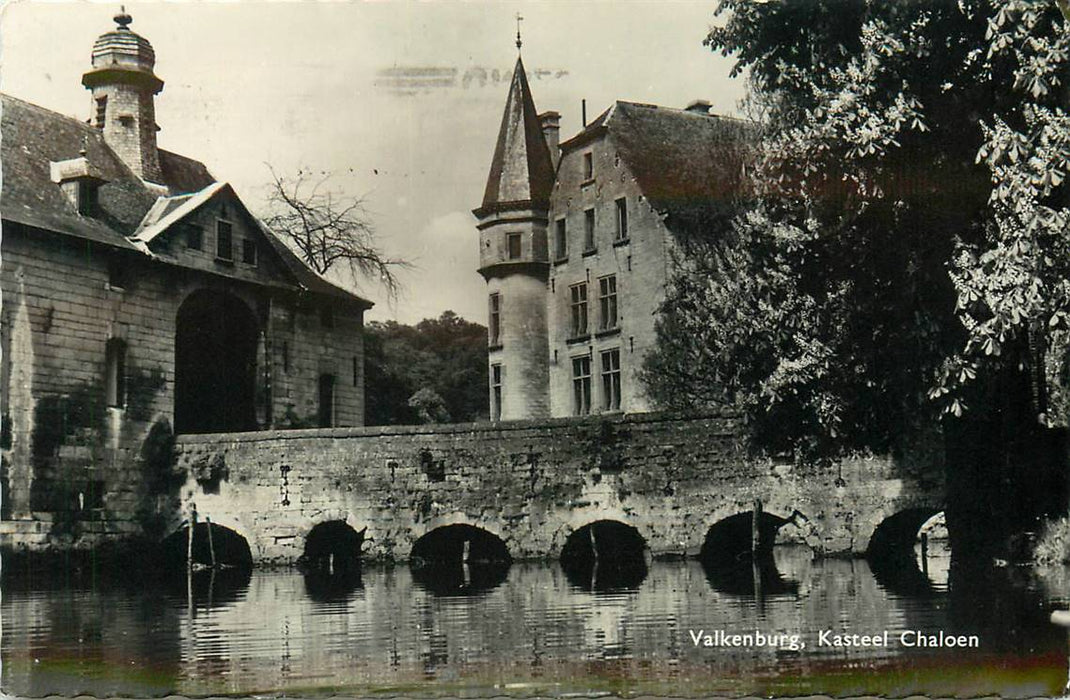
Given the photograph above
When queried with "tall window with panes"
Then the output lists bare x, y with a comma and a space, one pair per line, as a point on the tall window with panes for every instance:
581, 385
496, 392
578, 305
622, 219
514, 242
561, 240
611, 380
607, 301
588, 230
494, 327
224, 240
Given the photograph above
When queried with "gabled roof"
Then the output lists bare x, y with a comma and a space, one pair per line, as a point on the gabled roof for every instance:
129, 213
689, 165
168, 211
521, 172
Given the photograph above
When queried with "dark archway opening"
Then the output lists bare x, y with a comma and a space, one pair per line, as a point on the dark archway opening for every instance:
737, 564
732, 539
331, 561
605, 555
203, 582
216, 337
892, 552
459, 560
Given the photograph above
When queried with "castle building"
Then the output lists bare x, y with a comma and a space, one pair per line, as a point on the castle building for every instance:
578, 239
142, 299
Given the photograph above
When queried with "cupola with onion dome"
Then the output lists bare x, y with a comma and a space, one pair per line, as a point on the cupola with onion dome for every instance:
124, 86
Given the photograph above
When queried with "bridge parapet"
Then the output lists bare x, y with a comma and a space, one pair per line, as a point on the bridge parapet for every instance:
531, 483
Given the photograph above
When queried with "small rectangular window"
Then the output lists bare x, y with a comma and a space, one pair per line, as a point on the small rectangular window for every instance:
224, 241
562, 240
578, 302
588, 230
494, 327
611, 380
102, 111
326, 405
248, 251
117, 274
607, 293
115, 372
514, 241
581, 385
496, 392
194, 237
588, 166
622, 219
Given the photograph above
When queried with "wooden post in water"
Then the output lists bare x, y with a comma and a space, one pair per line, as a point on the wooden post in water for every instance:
755, 531
189, 547
211, 545
594, 543
925, 553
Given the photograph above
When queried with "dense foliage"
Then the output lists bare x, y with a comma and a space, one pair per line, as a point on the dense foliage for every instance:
905, 226
433, 372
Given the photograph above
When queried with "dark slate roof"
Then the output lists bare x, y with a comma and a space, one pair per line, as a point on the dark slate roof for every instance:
34, 137
521, 172
689, 165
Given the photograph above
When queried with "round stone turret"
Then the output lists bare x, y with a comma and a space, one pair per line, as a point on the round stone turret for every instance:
123, 85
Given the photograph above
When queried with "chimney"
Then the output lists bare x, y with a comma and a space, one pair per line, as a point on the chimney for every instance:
699, 107
551, 128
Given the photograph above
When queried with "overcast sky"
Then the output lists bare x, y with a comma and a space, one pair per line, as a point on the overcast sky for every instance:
401, 101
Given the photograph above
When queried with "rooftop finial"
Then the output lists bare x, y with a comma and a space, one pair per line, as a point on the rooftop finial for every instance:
123, 19
518, 20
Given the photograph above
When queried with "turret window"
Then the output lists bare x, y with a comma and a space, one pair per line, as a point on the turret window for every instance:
494, 326
495, 392
102, 111
514, 241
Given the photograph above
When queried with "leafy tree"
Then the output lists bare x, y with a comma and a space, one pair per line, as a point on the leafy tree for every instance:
328, 229
408, 369
902, 251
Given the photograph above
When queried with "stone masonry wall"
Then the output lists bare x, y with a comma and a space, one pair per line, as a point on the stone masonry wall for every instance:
532, 483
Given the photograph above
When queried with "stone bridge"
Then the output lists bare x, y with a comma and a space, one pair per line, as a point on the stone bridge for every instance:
534, 483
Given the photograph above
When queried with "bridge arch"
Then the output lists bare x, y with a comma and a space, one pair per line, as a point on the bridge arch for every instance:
459, 543
729, 537
332, 545
210, 539
605, 555
896, 534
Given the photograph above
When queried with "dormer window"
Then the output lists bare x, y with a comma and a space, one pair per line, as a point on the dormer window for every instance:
248, 251
79, 181
87, 197
224, 241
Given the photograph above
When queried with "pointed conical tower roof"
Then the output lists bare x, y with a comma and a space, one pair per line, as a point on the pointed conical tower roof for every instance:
522, 173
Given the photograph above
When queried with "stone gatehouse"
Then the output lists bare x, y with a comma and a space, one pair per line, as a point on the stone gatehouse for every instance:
141, 298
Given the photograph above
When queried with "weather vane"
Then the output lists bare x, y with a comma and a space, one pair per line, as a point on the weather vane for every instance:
518, 20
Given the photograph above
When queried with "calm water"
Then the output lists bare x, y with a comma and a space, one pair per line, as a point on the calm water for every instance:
535, 630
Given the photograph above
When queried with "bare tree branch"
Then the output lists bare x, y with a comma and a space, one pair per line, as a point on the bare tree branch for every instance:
327, 228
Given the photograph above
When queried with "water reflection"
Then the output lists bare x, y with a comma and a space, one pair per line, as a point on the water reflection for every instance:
333, 586
746, 576
605, 575
533, 632
446, 578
